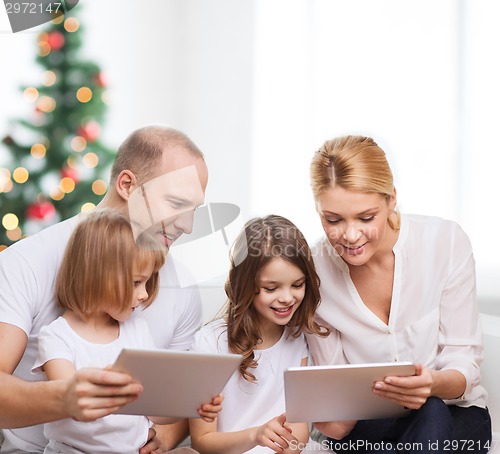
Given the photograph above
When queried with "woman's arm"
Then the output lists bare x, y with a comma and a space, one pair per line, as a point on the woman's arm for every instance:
274, 434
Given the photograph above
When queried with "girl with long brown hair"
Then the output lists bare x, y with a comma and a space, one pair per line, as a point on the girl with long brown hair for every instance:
272, 294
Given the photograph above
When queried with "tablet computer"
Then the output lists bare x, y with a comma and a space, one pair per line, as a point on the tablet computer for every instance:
340, 393
175, 383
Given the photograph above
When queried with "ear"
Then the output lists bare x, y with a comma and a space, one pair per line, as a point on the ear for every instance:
392, 201
126, 182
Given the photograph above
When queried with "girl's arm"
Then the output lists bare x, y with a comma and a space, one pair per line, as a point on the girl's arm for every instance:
274, 434
59, 369
335, 429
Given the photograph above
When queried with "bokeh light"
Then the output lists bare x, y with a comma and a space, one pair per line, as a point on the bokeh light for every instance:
71, 24
15, 234
87, 207
67, 185
90, 160
30, 94
78, 143
56, 194
46, 104
38, 151
49, 78
10, 221
20, 175
99, 187
84, 94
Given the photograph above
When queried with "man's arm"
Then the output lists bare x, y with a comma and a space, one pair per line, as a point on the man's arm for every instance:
89, 394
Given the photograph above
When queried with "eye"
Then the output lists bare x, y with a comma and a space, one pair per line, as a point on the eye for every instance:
137, 283
269, 290
368, 219
302, 284
332, 221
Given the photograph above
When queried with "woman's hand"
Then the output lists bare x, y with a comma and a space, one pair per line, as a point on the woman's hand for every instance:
410, 392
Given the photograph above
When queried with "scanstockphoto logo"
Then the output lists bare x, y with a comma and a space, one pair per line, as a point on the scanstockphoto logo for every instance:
204, 254
23, 15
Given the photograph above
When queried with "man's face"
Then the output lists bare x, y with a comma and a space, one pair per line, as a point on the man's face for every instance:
165, 204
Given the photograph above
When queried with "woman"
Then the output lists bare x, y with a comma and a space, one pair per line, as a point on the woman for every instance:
397, 287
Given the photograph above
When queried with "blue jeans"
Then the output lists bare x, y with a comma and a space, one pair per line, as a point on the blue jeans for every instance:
434, 428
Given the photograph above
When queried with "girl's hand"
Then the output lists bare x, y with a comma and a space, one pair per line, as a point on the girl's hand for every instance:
274, 434
209, 412
335, 429
152, 445
410, 392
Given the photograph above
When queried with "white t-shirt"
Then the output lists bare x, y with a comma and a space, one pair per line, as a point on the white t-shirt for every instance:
114, 433
433, 318
28, 271
252, 404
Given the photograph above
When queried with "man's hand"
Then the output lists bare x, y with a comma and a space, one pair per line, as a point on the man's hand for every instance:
94, 393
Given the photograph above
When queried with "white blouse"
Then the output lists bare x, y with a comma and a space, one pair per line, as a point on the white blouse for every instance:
433, 317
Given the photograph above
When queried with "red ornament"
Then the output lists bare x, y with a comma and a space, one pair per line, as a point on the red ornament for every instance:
89, 131
68, 172
100, 80
55, 40
40, 211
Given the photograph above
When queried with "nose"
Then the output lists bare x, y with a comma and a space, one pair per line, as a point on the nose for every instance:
143, 295
184, 222
352, 234
285, 296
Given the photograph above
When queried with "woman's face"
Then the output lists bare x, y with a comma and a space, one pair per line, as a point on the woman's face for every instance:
354, 222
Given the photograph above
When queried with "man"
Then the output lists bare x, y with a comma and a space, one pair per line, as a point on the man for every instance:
159, 178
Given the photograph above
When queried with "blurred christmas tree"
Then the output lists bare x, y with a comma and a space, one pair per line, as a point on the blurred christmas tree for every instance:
57, 166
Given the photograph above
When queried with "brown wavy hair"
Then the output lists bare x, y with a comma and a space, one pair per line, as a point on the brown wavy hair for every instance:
98, 264
261, 240
355, 163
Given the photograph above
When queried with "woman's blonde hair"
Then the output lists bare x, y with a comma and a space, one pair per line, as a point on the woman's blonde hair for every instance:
98, 264
261, 240
355, 163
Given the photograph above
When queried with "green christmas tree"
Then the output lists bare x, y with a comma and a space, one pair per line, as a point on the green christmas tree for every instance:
57, 165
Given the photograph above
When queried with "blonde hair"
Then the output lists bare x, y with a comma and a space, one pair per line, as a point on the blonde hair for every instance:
143, 149
355, 163
261, 240
98, 264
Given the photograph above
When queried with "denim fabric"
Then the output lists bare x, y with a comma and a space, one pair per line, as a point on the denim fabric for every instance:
434, 428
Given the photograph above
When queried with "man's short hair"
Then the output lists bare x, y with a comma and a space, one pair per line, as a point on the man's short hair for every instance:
142, 150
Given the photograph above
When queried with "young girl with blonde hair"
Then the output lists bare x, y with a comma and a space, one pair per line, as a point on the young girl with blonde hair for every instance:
272, 292
104, 277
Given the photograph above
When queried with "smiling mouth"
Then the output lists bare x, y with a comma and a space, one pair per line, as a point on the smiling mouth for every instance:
354, 250
283, 311
168, 239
